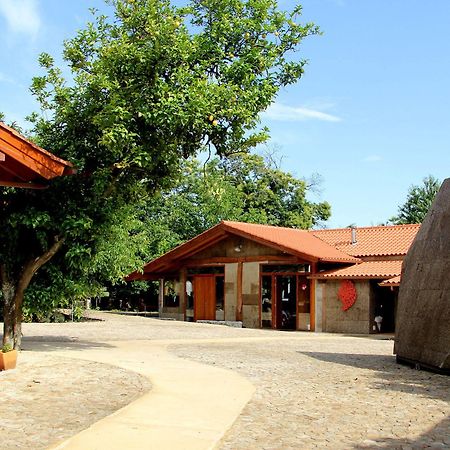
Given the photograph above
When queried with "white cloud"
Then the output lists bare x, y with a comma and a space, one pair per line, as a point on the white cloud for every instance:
372, 158
280, 112
21, 16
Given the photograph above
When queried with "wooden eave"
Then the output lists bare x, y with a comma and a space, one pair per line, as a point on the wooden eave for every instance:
176, 258
25, 164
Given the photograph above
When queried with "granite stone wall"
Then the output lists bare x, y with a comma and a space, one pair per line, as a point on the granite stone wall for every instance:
250, 294
353, 321
230, 291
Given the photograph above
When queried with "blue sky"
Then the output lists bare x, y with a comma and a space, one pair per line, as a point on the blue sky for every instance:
371, 114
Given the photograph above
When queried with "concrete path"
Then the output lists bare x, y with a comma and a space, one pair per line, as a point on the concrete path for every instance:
190, 406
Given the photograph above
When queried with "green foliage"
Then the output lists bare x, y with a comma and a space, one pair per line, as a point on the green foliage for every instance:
7, 348
418, 202
242, 187
149, 88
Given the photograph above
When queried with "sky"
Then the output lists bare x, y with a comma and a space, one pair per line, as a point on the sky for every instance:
370, 116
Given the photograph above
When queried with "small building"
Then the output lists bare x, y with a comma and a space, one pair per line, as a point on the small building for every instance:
334, 280
23, 164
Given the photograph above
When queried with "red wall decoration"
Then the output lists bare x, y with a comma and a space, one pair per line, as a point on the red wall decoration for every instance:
347, 294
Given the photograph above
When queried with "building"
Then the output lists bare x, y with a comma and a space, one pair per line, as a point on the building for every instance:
23, 164
335, 280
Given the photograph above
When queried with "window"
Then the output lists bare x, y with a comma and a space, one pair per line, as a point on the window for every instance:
171, 294
284, 268
207, 270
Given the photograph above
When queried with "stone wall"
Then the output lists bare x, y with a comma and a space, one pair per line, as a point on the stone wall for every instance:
353, 321
250, 294
172, 313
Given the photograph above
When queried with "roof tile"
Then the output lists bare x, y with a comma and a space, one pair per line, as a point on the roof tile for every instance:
292, 240
371, 241
366, 269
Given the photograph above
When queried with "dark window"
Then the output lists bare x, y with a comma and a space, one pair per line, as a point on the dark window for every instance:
283, 268
207, 270
220, 293
171, 295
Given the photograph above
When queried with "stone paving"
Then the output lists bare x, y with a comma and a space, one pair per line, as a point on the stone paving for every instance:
47, 399
312, 390
331, 392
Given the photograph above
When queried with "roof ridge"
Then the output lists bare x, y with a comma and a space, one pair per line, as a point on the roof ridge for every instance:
403, 225
263, 225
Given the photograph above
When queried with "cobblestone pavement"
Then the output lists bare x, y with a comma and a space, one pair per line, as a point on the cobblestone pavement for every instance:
313, 390
47, 399
331, 392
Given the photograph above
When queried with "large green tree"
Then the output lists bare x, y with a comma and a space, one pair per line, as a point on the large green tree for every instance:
418, 202
148, 87
243, 187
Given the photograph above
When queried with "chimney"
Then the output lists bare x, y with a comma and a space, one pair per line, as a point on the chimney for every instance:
353, 228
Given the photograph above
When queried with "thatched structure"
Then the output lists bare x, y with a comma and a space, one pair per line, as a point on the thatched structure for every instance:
423, 314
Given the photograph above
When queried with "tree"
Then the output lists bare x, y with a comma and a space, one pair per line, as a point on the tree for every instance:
242, 187
148, 87
418, 202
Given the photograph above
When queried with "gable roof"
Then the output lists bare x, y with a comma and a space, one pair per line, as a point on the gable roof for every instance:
25, 164
292, 240
364, 270
391, 240
295, 242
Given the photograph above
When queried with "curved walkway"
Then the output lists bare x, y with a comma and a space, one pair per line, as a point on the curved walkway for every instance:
190, 406
312, 390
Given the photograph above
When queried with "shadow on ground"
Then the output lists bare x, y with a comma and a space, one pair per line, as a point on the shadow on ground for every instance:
54, 343
439, 435
390, 375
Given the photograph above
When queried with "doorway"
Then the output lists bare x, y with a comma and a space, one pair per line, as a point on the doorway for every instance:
205, 297
286, 299
279, 301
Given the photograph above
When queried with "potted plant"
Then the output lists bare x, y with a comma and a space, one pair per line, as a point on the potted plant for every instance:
8, 357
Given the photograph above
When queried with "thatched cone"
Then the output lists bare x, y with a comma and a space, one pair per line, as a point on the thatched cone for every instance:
423, 313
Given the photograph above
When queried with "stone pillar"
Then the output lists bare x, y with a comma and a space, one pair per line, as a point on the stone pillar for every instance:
318, 306
230, 291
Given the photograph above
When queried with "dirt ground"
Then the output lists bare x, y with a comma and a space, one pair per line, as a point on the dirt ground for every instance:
312, 390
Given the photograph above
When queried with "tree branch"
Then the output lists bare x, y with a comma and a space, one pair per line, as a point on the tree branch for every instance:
34, 265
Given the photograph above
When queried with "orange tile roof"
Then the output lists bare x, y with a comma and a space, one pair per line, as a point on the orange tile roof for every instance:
25, 164
395, 281
291, 240
296, 242
371, 241
366, 269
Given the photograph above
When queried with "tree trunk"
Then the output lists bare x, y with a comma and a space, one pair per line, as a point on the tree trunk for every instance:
14, 291
8, 292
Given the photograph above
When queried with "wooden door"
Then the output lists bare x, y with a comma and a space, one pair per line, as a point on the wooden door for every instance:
204, 298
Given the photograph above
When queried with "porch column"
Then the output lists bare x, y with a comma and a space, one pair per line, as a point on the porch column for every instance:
183, 279
161, 296
239, 293
312, 298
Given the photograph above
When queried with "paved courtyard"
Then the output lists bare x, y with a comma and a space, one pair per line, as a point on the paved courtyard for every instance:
310, 390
